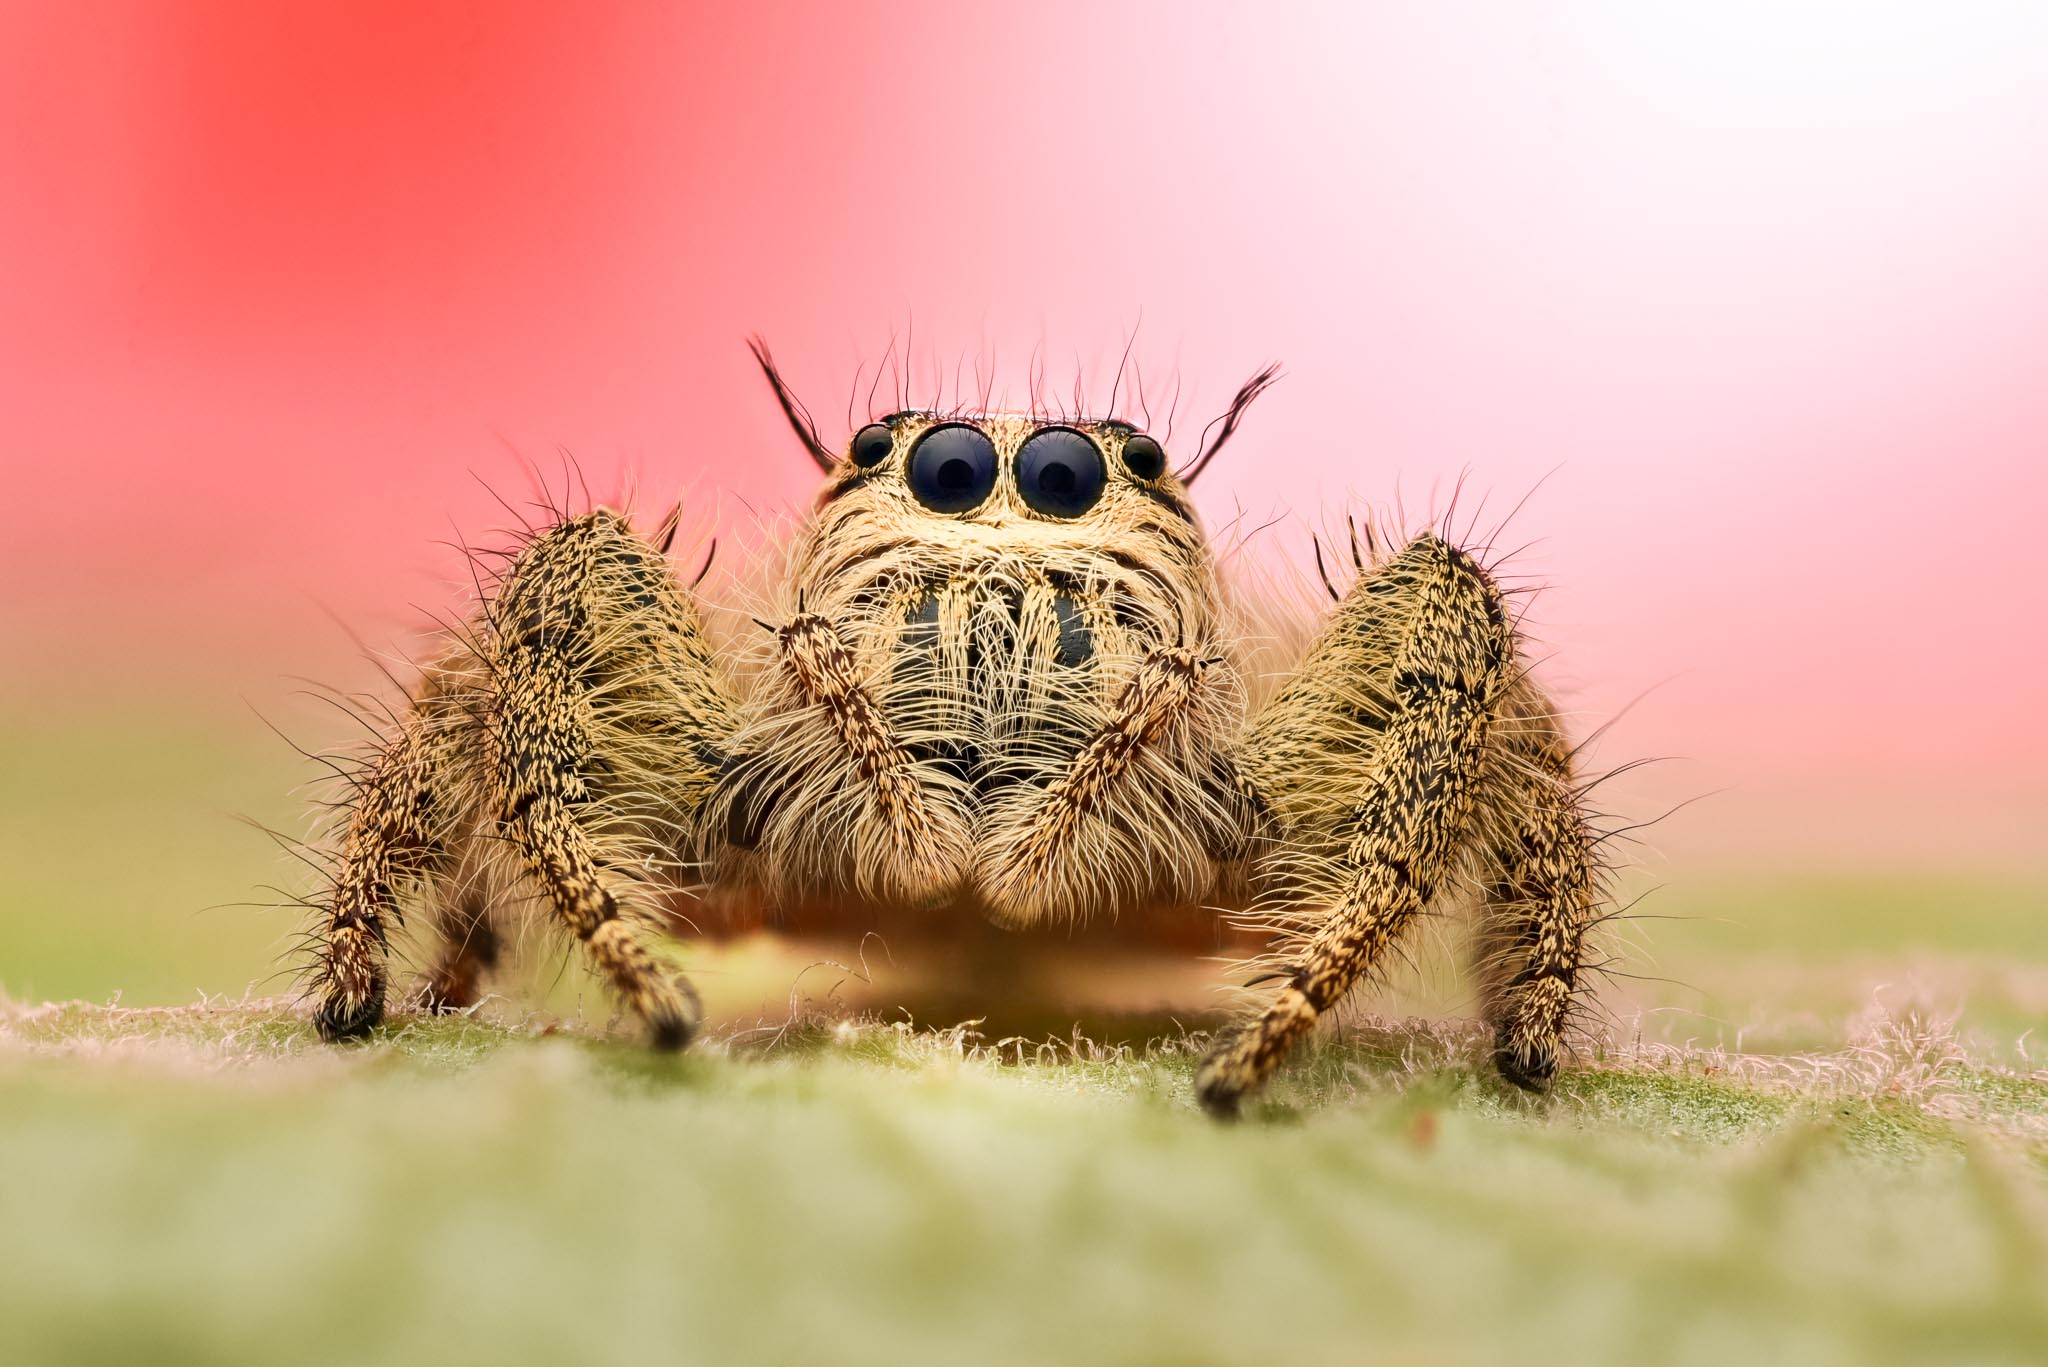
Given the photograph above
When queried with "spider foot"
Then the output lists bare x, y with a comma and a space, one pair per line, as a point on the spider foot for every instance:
1528, 1064
653, 991
673, 1023
347, 1016
1220, 1095
1243, 1059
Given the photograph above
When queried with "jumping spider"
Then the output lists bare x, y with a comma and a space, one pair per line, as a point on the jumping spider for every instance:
1003, 681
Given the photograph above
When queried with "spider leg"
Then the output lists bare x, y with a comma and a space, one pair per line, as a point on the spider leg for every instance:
826, 781
387, 842
1372, 759
1542, 893
605, 690
1044, 859
579, 728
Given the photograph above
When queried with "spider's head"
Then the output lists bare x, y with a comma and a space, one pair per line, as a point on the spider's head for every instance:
1010, 504
1086, 510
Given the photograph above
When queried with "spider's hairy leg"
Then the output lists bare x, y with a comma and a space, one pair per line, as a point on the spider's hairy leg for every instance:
388, 841
1371, 758
568, 739
604, 734
1033, 863
908, 846
1543, 890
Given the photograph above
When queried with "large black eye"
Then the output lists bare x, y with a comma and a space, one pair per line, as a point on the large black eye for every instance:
872, 445
952, 468
1060, 472
1144, 458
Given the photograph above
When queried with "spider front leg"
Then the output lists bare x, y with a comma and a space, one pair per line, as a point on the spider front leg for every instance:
1057, 853
580, 728
1372, 759
825, 790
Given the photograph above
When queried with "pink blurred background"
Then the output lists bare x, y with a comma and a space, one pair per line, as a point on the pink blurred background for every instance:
1763, 290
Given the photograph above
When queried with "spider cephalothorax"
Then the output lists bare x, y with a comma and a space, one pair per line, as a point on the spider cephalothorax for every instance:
980, 598
999, 678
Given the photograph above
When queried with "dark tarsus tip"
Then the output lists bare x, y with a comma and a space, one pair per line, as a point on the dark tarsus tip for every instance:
671, 1033
1218, 1098
1532, 1076
671, 1036
1218, 1095
335, 1026
800, 421
1249, 390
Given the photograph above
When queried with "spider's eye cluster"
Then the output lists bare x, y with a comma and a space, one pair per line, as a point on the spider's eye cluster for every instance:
1060, 472
953, 468
872, 445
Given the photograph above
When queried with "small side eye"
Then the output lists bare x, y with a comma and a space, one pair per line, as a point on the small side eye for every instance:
952, 468
1144, 458
872, 445
1060, 472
